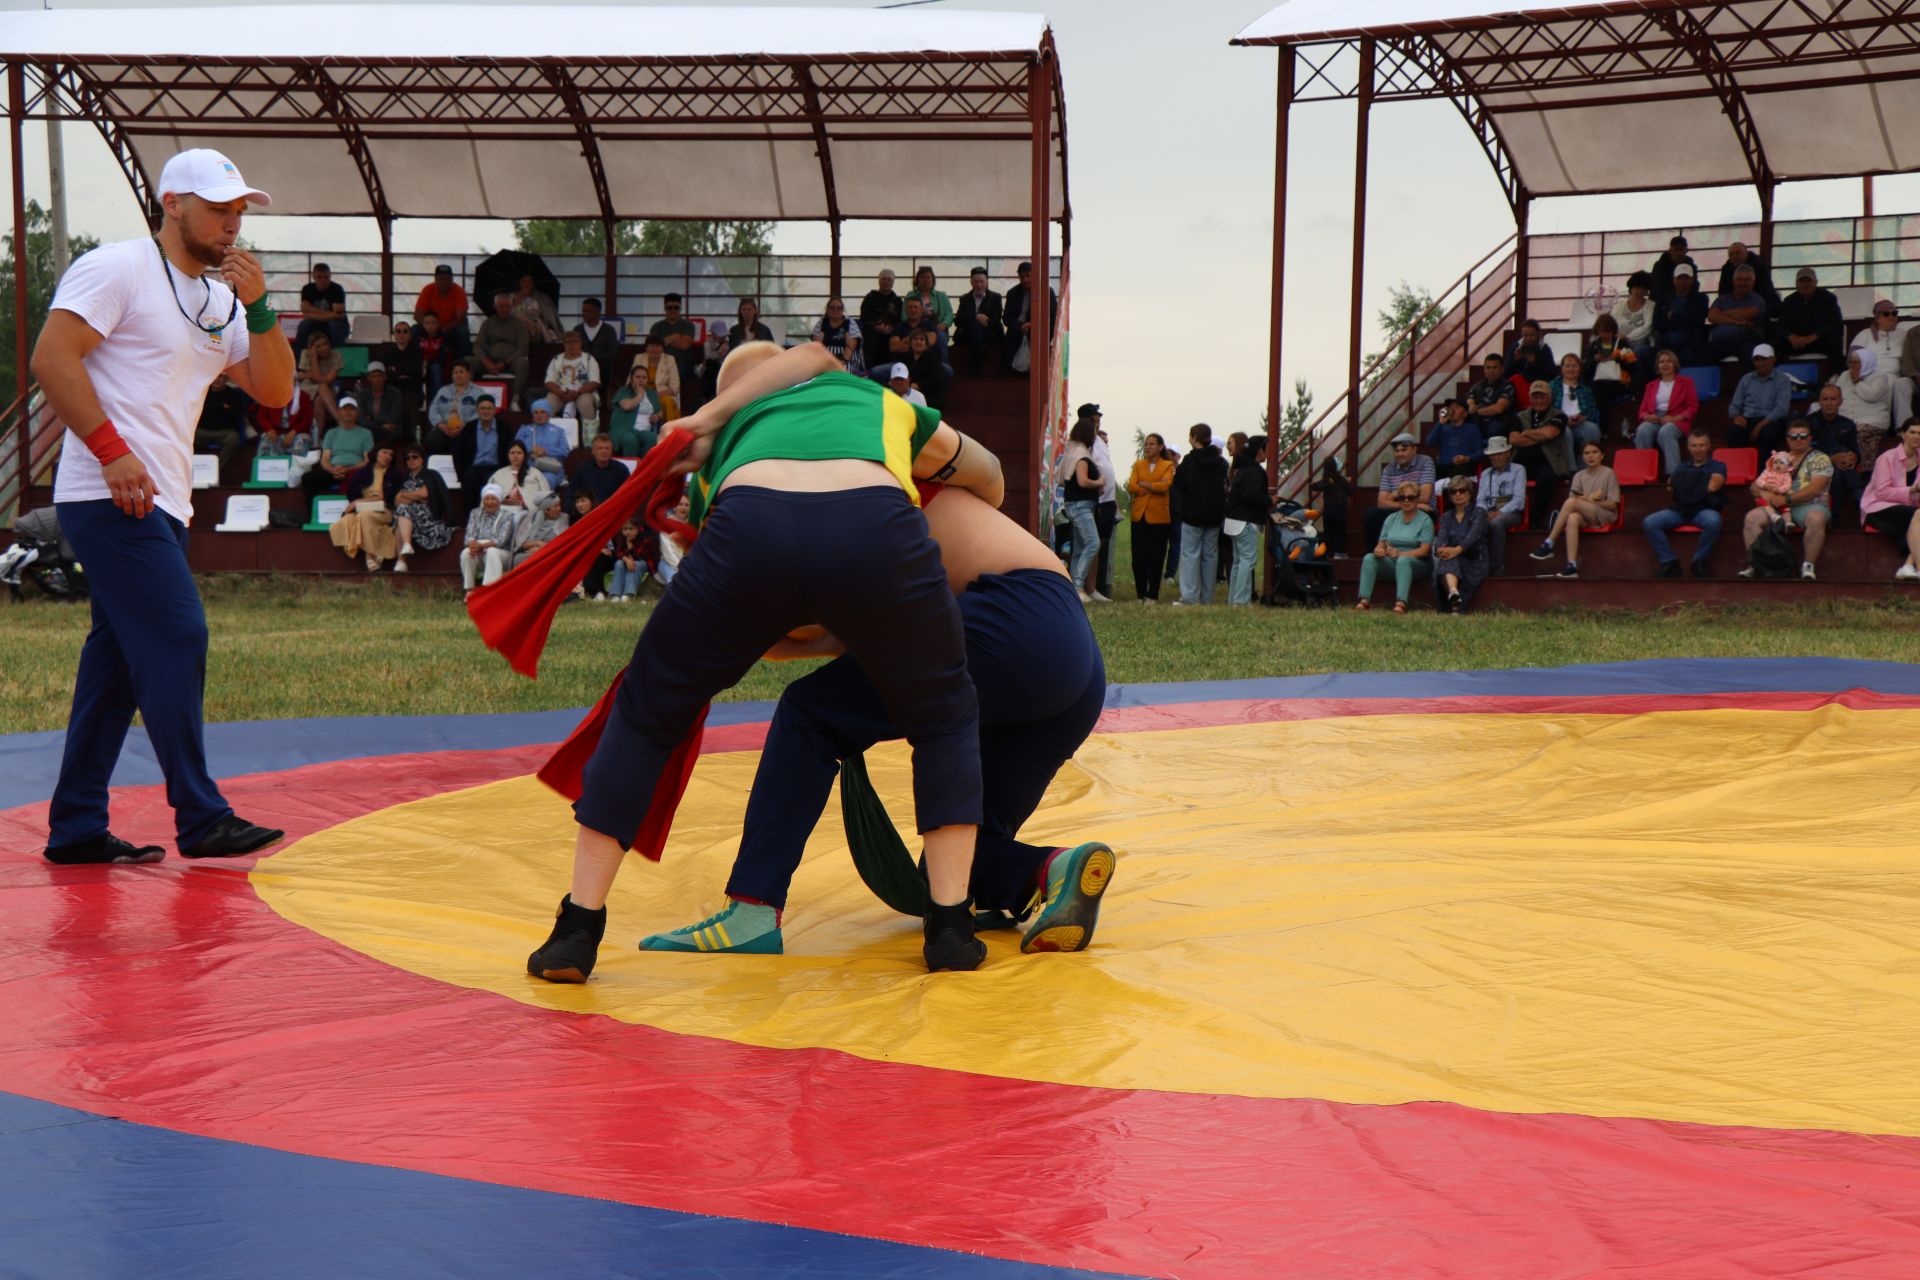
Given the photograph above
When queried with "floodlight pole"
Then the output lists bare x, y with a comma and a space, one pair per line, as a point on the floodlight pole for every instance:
1282, 126
16, 119
1040, 300
1357, 276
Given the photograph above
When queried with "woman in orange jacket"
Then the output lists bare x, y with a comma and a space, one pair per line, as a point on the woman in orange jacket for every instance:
1152, 520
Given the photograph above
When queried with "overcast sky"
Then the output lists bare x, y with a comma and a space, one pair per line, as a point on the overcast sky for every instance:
1171, 141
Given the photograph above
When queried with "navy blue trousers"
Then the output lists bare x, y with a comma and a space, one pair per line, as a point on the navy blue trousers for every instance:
1041, 685
860, 563
147, 652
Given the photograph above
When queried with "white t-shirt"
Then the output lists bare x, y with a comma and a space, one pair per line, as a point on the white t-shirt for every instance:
152, 372
571, 375
1109, 491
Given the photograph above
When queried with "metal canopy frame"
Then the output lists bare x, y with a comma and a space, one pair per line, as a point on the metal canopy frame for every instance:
1578, 57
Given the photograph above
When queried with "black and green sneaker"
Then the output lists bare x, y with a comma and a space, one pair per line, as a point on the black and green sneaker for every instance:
1076, 879
950, 943
570, 950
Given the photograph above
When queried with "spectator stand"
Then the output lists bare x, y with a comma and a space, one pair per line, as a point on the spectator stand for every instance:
799, 115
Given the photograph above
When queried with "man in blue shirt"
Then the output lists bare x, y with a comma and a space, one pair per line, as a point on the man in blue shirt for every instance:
1835, 435
546, 441
1407, 464
1503, 496
1738, 319
458, 396
1760, 404
1680, 321
1698, 488
1457, 442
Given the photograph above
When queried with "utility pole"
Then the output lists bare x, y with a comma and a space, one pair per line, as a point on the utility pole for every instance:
57, 178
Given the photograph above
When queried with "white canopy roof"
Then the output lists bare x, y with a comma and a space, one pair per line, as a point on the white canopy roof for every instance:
1629, 96
568, 111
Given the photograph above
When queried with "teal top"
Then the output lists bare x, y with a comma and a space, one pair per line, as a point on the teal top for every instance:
628, 419
937, 303
1405, 535
348, 445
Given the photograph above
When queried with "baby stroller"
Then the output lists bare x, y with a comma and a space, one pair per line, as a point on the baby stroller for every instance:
1302, 563
40, 556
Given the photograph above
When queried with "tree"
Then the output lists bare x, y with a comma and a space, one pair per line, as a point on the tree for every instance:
40, 284
562, 236
1294, 418
1405, 306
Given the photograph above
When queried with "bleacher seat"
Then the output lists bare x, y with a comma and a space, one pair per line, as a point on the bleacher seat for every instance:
1635, 467
1580, 316
1618, 523
1804, 372
327, 508
206, 471
1856, 301
246, 513
1566, 343
1742, 465
1706, 380
354, 361
369, 330
443, 463
269, 473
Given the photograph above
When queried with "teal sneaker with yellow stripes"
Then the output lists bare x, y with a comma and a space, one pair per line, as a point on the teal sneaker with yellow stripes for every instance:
744, 928
1070, 905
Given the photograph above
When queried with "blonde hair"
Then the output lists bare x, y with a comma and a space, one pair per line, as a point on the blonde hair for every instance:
742, 358
1407, 489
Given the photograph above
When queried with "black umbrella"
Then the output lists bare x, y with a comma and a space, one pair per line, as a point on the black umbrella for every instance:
501, 274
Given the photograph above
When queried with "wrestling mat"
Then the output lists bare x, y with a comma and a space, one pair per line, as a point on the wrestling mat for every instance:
1592, 971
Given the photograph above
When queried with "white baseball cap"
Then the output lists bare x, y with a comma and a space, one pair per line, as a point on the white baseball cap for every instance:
900, 372
209, 175
1764, 351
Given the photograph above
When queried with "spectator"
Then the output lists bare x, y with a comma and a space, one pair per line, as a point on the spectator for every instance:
546, 441
1593, 502
594, 585
1887, 338
1502, 494
447, 303
1200, 490
1019, 312
841, 336
1458, 447
629, 563
1866, 396
536, 311
880, 315
1806, 505
1811, 321
1610, 364
635, 412
1107, 514
671, 548
1460, 555
900, 378
1530, 357
417, 496
1491, 398
1575, 400
1174, 537
224, 414
928, 370
1147, 489
1891, 502
747, 327
598, 473
539, 527
1739, 319
1667, 407
1761, 401
917, 321
522, 485
459, 398
1082, 480
485, 448
679, 340
488, 542
1246, 517
1680, 320
320, 377
1407, 464
1635, 315
713, 354
285, 434
663, 377
938, 306
344, 449
1738, 256
1330, 492
1664, 274
382, 407
405, 370
979, 324
323, 309
366, 526
1697, 492
597, 336
1835, 435
573, 382
1404, 547
1539, 446
436, 355
502, 346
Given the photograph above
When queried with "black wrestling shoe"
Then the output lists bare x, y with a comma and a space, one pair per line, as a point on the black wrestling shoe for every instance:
570, 950
233, 837
105, 848
950, 943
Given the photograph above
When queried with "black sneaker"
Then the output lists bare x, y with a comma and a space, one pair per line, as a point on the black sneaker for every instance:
105, 848
1701, 569
1568, 570
950, 943
570, 950
1542, 552
233, 837
1453, 603
1668, 569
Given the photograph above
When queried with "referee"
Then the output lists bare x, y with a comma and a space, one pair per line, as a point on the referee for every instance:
137, 332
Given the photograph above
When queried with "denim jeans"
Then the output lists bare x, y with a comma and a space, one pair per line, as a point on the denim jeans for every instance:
1199, 559
627, 581
1086, 541
1246, 555
1662, 523
1666, 436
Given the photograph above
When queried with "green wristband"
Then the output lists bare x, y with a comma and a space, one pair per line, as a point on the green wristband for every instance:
261, 317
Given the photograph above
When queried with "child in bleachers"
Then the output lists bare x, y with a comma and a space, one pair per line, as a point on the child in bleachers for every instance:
1778, 478
629, 562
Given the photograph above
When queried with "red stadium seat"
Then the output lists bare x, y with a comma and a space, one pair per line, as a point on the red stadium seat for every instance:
1742, 465
1618, 523
1633, 467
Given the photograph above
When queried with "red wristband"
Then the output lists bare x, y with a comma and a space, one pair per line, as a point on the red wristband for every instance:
106, 443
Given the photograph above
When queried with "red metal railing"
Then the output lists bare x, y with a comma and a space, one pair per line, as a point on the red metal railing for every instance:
29, 445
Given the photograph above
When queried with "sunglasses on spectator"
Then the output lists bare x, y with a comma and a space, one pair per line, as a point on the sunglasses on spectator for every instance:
1408, 499
1798, 435
1883, 313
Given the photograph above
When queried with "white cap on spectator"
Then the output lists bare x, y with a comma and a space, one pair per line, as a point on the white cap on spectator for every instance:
900, 373
1764, 351
1498, 444
1684, 269
349, 400
374, 366
1404, 438
1807, 273
491, 491
209, 175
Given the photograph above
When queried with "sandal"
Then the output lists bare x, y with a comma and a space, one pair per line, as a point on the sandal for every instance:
1399, 606
1363, 606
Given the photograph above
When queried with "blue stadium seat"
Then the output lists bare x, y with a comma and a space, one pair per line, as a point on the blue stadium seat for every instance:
1706, 380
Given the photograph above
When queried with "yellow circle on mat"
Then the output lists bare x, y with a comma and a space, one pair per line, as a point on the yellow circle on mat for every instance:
1702, 916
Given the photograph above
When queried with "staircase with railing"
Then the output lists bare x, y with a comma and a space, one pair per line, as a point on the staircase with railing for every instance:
29, 447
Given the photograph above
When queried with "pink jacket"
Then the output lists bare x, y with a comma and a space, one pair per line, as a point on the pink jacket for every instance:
1684, 403
1888, 485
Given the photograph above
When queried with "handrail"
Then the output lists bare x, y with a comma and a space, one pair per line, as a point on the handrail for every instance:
29, 437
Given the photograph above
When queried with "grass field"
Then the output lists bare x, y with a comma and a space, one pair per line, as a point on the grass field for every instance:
310, 647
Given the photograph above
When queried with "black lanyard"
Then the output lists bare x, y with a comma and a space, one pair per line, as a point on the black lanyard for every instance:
233, 308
